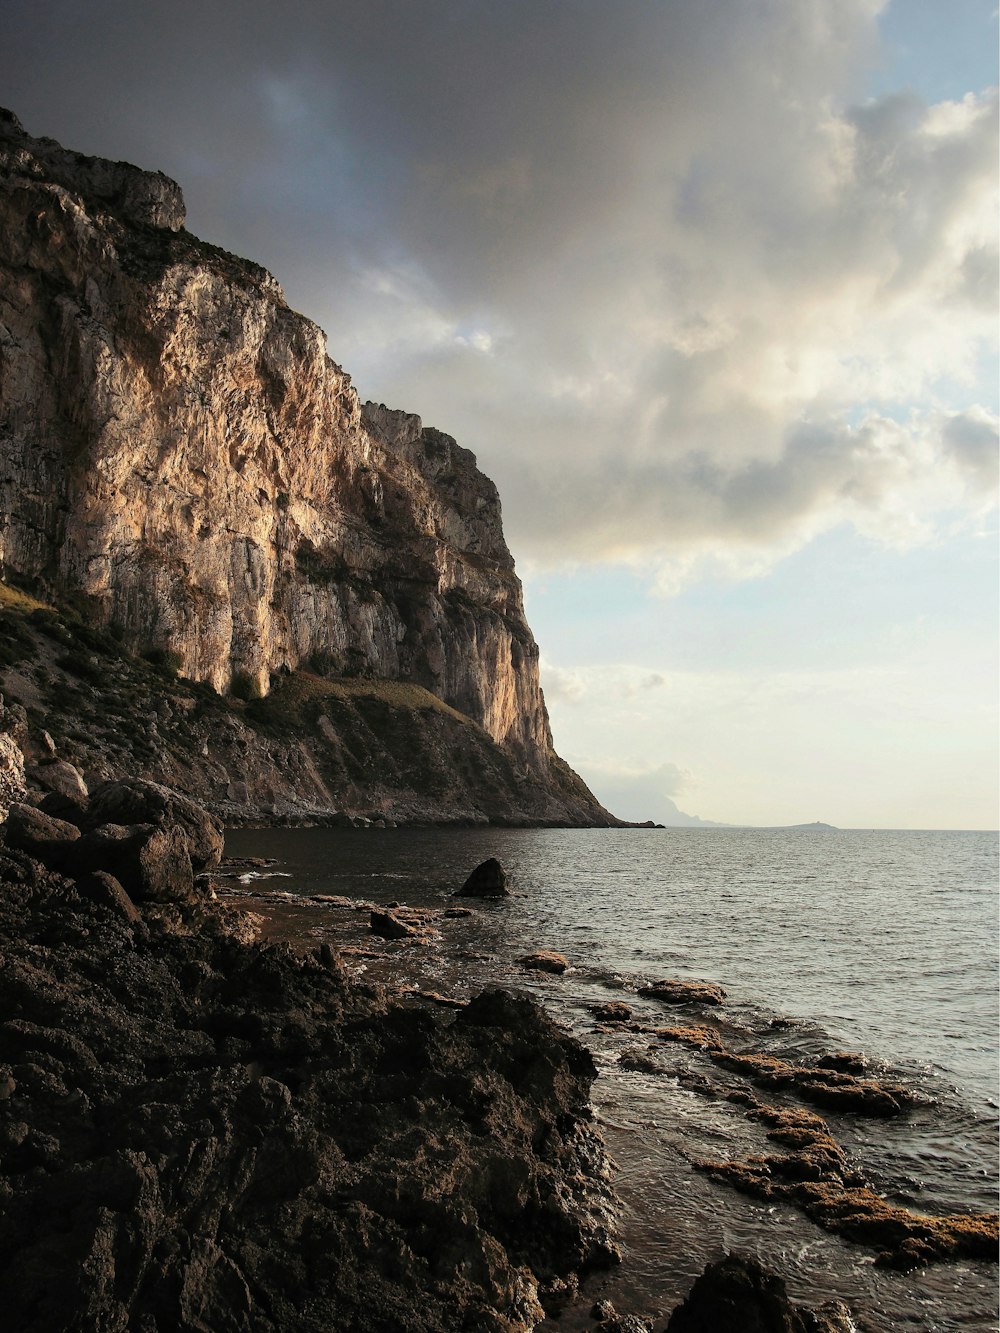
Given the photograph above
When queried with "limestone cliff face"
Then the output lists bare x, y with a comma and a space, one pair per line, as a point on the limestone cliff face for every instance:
178, 452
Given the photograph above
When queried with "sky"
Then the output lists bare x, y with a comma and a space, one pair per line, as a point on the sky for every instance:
709, 288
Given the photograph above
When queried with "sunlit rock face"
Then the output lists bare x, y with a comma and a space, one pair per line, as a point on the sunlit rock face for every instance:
179, 451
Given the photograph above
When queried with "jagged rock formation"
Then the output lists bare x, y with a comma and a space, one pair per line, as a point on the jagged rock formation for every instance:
180, 455
201, 1132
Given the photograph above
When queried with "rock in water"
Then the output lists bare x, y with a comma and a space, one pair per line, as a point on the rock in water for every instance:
684, 992
390, 927
488, 880
737, 1295
545, 960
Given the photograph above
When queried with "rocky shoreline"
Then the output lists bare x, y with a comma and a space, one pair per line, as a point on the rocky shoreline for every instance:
202, 1130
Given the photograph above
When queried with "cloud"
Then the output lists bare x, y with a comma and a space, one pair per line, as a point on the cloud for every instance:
686, 294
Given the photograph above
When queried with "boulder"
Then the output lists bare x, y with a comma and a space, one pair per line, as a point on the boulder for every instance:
100, 887
738, 1295
684, 992
138, 802
390, 927
64, 807
151, 864
51, 841
545, 961
62, 778
614, 1011
488, 880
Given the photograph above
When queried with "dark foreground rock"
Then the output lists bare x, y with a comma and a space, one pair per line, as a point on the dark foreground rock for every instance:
199, 1133
488, 880
737, 1295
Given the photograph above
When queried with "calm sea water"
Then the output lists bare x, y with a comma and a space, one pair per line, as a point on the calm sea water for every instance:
883, 942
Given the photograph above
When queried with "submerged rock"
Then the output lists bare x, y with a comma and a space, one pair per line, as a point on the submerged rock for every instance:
488, 880
684, 992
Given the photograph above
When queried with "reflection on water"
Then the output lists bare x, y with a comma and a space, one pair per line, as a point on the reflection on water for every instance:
875, 941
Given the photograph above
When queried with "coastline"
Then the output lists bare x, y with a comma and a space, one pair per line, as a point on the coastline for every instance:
651, 1102
208, 1128
177, 1096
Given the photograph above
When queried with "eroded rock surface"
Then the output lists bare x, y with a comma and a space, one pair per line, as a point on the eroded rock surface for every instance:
197, 1132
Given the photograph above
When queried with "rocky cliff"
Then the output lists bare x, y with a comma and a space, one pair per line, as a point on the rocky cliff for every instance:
183, 462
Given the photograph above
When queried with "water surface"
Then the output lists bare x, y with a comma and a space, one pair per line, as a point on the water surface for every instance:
881, 942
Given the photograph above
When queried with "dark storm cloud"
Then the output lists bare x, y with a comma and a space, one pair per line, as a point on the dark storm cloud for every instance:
650, 260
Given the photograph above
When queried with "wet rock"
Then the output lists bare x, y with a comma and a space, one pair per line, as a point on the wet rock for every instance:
684, 992
545, 960
458, 911
139, 802
40, 835
738, 1295
613, 1322
446, 1001
845, 1062
614, 1011
488, 880
639, 1061
813, 1083
390, 927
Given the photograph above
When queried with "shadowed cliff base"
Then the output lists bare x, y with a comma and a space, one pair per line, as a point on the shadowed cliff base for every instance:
313, 750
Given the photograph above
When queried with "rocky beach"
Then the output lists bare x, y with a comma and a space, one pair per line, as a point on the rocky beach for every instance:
231, 595
202, 1129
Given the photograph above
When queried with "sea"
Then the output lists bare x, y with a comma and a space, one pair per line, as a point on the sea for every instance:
878, 942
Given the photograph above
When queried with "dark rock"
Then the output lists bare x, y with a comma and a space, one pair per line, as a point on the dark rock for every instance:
40, 835
138, 802
684, 992
390, 927
60, 806
737, 1295
102, 888
199, 1133
545, 961
152, 864
488, 880
615, 1011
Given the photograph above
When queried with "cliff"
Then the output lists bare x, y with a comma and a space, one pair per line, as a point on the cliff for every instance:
183, 464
